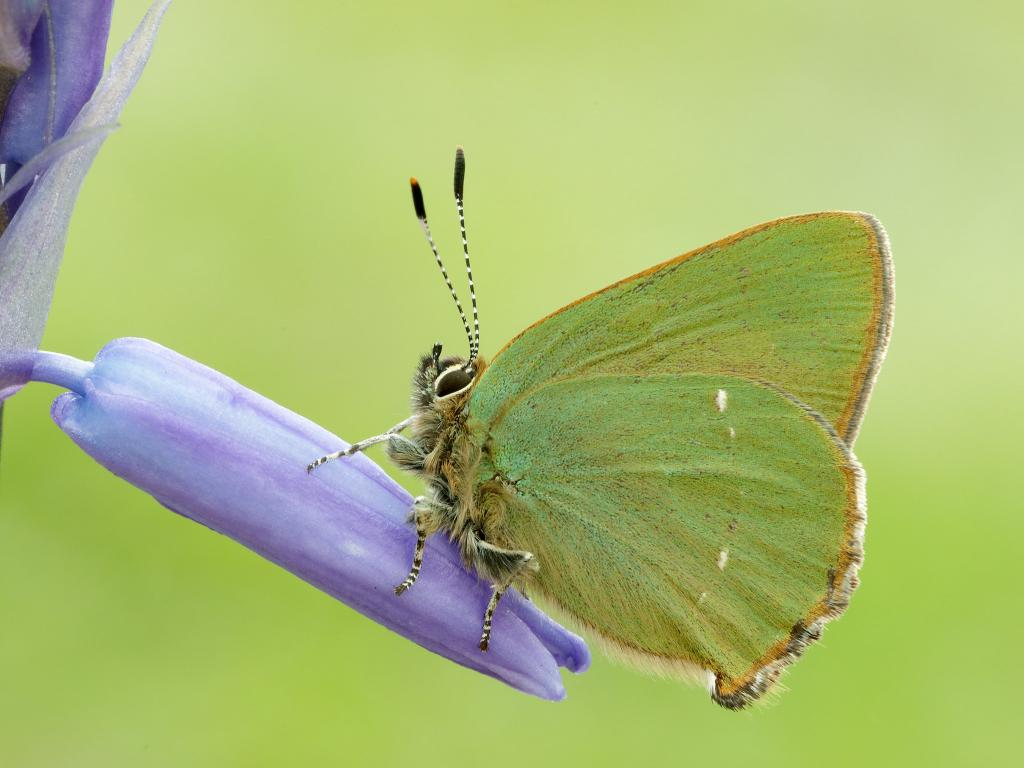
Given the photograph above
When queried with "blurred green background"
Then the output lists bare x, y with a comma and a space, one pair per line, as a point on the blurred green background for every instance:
253, 213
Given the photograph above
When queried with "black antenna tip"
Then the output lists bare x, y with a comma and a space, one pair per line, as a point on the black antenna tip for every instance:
460, 171
417, 200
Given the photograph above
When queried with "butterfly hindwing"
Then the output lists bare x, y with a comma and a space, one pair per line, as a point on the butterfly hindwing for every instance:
693, 522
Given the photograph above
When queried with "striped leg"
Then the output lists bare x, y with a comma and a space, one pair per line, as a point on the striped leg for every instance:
362, 445
485, 638
417, 557
502, 567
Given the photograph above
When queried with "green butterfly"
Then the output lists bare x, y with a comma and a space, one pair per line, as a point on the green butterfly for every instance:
668, 461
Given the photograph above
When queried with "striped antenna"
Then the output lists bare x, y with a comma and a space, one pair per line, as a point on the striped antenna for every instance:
421, 214
460, 179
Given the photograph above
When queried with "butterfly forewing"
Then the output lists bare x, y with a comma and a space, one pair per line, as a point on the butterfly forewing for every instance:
803, 302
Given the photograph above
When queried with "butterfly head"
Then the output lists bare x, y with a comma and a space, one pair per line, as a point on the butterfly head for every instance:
444, 380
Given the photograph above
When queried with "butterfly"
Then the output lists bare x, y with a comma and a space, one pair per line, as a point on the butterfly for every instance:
667, 461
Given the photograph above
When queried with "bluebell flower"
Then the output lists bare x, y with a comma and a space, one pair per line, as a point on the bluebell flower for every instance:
56, 153
220, 454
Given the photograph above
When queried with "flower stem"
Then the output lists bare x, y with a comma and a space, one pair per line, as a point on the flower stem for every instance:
62, 370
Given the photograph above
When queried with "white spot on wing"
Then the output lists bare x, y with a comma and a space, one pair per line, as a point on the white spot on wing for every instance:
723, 558
732, 433
703, 597
721, 400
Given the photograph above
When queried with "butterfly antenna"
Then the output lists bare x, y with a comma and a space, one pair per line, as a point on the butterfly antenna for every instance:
460, 179
421, 214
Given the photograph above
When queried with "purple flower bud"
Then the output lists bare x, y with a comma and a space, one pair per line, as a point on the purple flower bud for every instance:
66, 60
226, 457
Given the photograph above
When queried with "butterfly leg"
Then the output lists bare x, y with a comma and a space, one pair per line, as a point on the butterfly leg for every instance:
362, 445
407, 454
485, 637
503, 565
421, 540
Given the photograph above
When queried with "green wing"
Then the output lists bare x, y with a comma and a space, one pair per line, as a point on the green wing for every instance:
803, 302
693, 522
629, 483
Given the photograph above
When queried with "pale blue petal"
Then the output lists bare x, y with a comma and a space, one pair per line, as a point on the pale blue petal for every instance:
68, 46
33, 244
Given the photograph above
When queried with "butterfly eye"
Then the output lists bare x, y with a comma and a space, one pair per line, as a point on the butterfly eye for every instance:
452, 381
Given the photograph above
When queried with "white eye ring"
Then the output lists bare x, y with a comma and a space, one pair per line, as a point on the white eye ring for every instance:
452, 376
